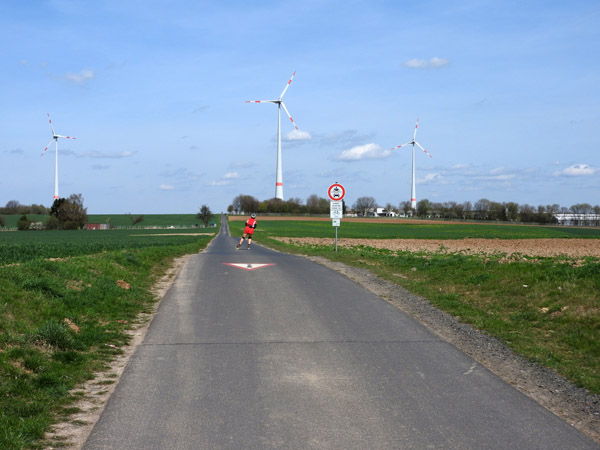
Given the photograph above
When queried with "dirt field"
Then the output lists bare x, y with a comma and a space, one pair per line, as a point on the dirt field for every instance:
573, 248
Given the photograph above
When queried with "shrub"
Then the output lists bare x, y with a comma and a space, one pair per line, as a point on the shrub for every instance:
23, 223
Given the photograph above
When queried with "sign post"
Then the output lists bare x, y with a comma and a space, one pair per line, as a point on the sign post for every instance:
336, 193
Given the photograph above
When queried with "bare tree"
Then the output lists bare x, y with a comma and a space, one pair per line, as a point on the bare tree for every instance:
405, 207
481, 208
365, 204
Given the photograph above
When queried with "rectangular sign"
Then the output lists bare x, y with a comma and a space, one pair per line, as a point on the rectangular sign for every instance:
336, 210
335, 222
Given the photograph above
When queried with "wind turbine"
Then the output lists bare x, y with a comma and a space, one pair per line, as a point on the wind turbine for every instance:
279, 103
55, 139
413, 192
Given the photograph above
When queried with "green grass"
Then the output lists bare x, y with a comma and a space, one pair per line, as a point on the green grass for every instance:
546, 309
448, 230
122, 220
19, 246
63, 319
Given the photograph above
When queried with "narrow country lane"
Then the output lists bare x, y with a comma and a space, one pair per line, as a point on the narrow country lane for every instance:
259, 349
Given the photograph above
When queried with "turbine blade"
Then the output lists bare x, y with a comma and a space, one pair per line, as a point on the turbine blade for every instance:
262, 101
47, 145
426, 152
286, 111
416, 126
66, 137
403, 145
51, 127
287, 86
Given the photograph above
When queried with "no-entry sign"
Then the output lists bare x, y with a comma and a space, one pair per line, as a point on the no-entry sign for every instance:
336, 192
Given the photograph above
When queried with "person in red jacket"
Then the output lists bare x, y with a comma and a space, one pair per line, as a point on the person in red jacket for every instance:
248, 231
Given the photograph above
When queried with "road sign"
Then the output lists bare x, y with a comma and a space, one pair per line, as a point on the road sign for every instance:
336, 210
336, 192
335, 222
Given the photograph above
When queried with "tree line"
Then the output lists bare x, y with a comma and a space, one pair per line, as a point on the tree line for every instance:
64, 214
249, 204
482, 209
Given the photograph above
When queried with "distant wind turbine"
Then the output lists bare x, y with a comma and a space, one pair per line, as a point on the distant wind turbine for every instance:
279, 103
55, 139
413, 192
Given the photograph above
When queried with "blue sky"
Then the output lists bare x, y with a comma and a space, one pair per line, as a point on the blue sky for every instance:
507, 93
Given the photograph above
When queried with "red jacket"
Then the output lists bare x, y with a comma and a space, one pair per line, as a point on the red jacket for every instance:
250, 226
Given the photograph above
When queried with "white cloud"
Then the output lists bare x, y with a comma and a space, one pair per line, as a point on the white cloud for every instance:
166, 187
460, 166
225, 179
297, 135
578, 170
219, 183
430, 177
367, 151
80, 78
503, 177
433, 63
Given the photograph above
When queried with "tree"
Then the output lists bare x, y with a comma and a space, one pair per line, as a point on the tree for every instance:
135, 219
2, 221
317, 205
364, 204
481, 209
512, 211
581, 208
69, 212
423, 207
406, 207
205, 215
245, 204
12, 207
23, 223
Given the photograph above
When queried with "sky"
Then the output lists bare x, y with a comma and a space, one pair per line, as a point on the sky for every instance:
507, 94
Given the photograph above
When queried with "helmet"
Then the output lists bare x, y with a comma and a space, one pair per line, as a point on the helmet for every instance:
253, 216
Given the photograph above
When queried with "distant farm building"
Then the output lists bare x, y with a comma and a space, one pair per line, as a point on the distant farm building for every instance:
97, 226
581, 220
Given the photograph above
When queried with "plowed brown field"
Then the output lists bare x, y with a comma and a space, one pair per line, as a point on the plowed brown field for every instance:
574, 248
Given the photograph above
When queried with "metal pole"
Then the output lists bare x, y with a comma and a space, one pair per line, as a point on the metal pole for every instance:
336, 238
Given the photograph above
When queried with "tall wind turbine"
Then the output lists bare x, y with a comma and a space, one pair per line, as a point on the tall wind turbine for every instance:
279, 103
55, 139
413, 192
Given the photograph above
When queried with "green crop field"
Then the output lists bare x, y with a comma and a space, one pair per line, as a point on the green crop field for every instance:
19, 246
66, 300
545, 308
448, 230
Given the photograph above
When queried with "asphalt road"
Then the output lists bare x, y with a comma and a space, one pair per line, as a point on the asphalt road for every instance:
295, 356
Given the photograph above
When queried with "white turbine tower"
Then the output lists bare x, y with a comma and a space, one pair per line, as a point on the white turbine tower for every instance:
279, 103
413, 192
55, 139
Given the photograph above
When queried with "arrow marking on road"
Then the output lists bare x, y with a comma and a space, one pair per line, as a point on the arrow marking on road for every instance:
248, 266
